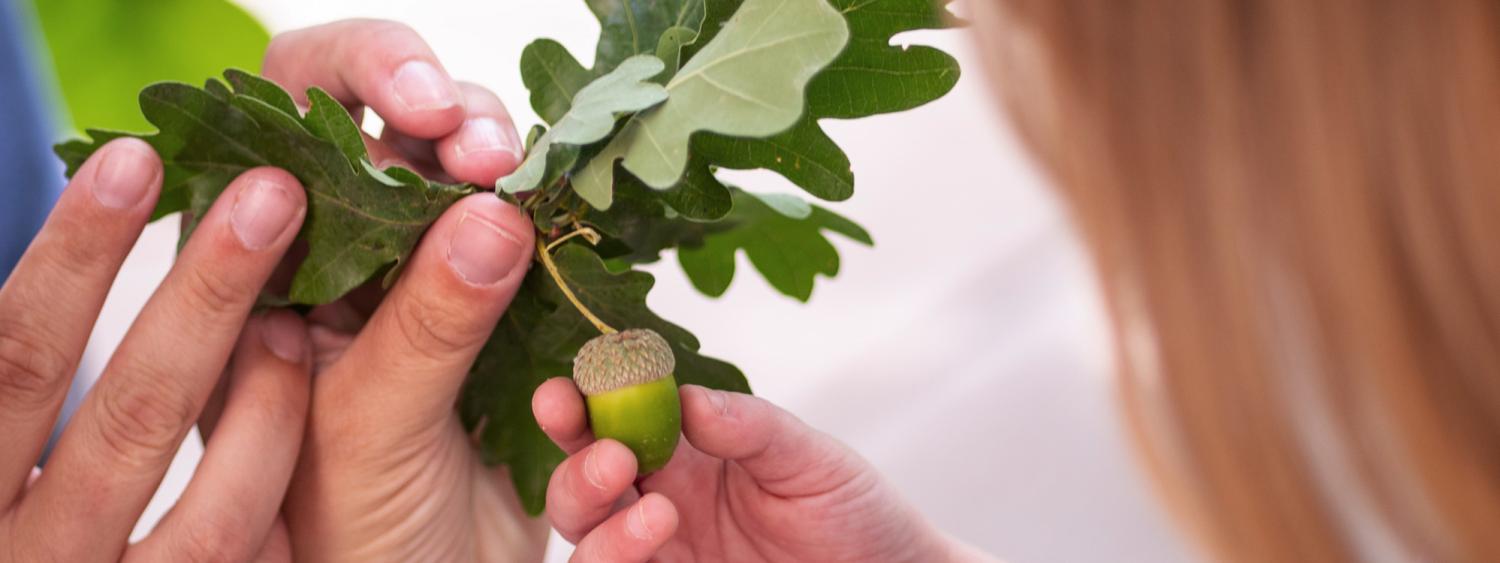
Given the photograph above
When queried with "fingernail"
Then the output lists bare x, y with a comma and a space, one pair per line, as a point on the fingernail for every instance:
591, 468
261, 213
484, 134
419, 86
480, 251
121, 178
282, 334
716, 399
636, 522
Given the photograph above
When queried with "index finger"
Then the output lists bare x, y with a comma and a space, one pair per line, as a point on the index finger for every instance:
49, 304
113, 454
382, 64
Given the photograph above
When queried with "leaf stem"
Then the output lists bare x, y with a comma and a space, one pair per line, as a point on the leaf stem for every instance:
578, 231
544, 254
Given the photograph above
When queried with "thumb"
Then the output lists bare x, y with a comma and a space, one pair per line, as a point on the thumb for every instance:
410, 359
783, 454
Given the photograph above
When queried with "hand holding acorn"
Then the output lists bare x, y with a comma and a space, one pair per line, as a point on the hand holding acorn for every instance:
750, 482
626, 379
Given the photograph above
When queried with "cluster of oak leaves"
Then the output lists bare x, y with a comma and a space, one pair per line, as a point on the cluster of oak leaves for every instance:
679, 88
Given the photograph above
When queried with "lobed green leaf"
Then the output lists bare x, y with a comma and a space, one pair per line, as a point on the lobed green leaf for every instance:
784, 239
871, 76
748, 81
592, 116
360, 221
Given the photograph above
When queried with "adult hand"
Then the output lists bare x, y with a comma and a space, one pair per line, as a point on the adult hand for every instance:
442, 128
387, 472
116, 449
750, 483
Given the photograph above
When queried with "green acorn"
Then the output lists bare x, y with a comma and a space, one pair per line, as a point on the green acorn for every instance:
626, 379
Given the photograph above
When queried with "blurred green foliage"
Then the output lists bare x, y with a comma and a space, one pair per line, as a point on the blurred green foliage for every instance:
104, 51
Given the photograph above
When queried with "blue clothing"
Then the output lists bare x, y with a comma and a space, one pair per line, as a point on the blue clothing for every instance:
32, 175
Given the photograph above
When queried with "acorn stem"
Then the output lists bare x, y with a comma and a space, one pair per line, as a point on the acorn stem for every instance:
545, 255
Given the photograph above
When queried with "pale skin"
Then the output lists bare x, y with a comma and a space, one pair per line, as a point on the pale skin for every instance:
386, 471
750, 482
771, 488
382, 468
334, 437
117, 447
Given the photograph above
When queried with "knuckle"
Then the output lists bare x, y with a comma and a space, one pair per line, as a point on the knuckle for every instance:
354, 38
213, 538
289, 48
387, 29
560, 496
33, 370
141, 423
80, 249
210, 291
596, 549
434, 328
276, 53
276, 412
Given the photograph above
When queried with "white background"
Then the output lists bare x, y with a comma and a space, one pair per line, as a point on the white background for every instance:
966, 355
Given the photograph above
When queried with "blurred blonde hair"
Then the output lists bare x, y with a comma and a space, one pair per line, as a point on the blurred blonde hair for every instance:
1294, 210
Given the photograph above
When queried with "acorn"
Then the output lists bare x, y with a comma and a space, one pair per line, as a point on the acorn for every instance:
626, 379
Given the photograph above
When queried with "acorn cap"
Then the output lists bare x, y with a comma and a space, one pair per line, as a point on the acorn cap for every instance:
615, 361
